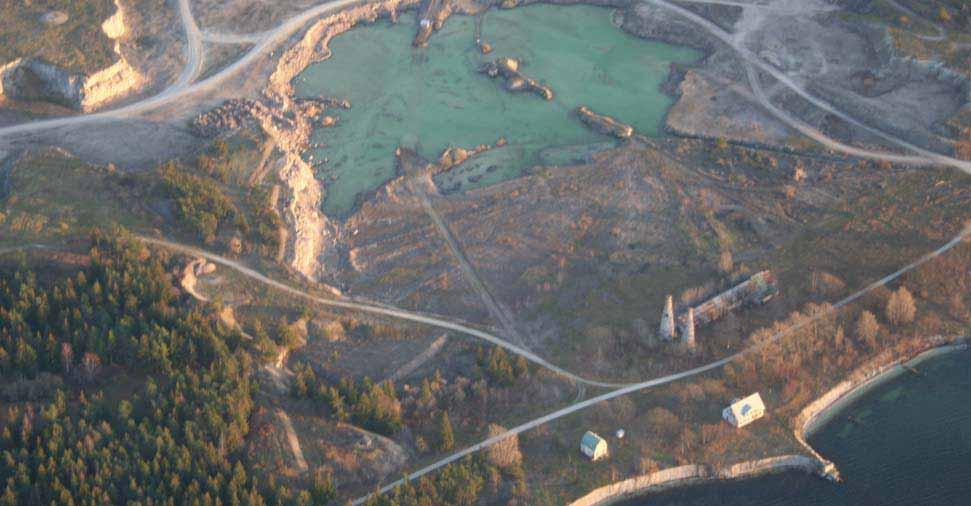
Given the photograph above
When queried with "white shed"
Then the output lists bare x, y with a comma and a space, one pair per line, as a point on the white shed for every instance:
593, 446
744, 411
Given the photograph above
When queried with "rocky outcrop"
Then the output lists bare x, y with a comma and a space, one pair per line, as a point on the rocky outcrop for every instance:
310, 233
190, 276
238, 113
431, 17
233, 114
455, 156
516, 81
604, 124
109, 85
311, 236
114, 27
34, 79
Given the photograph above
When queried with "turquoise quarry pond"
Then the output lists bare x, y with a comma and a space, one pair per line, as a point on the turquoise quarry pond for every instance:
434, 97
912, 447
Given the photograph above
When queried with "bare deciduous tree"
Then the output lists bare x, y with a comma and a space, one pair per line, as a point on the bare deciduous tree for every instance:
90, 365
900, 308
505, 453
67, 357
867, 329
726, 262
956, 305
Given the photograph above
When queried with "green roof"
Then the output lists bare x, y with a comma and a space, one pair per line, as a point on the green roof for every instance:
591, 440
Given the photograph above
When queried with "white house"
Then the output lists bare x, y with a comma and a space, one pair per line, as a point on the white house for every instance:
744, 411
593, 446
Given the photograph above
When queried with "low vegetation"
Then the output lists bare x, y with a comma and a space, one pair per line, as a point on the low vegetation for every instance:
795, 360
373, 406
51, 196
205, 205
78, 45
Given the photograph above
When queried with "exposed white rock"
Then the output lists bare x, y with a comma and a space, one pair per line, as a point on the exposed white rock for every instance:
114, 27
311, 231
110, 84
54, 18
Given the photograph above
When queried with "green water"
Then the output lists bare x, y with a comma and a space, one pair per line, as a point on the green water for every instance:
911, 447
433, 98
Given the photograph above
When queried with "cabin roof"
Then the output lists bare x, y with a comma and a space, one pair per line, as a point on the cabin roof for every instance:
742, 407
591, 440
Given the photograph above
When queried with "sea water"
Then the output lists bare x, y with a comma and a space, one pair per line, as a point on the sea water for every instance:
909, 444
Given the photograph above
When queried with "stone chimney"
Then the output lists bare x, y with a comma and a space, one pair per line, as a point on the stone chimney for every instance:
688, 332
667, 320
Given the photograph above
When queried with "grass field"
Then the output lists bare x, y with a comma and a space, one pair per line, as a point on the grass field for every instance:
54, 196
78, 45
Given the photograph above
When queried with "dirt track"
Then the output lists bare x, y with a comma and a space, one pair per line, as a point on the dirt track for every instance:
498, 311
924, 157
185, 86
266, 41
670, 378
381, 310
293, 441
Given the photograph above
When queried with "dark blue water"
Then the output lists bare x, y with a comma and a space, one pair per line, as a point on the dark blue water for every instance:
911, 447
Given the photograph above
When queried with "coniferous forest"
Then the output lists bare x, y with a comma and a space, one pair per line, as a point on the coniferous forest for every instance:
175, 439
118, 390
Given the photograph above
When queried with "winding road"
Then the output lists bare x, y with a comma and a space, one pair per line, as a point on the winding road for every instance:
923, 156
813, 133
185, 86
400, 314
499, 312
621, 389
624, 389
636, 387
195, 54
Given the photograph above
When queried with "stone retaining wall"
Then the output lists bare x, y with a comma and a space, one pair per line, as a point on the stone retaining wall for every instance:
693, 474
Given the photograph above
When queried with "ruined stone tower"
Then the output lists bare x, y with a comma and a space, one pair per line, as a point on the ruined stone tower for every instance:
667, 320
688, 332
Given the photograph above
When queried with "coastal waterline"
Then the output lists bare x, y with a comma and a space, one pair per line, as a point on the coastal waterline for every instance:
432, 98
909, 443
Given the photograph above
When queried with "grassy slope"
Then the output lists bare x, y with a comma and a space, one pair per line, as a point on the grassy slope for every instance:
78, 45
53, 196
